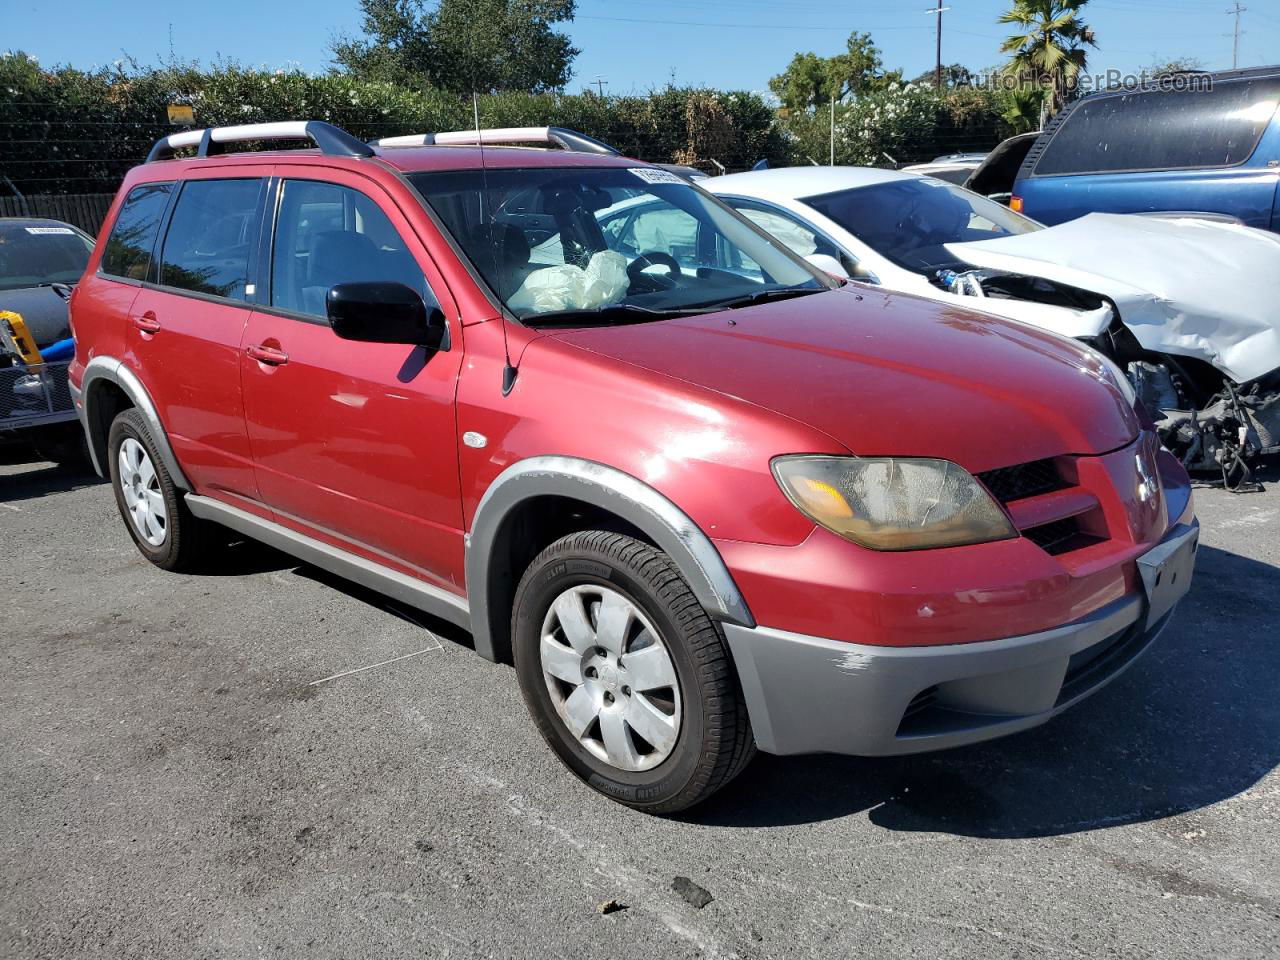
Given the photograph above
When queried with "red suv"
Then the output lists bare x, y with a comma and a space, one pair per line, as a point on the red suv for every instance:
704, 497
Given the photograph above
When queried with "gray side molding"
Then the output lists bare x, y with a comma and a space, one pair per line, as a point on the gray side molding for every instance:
112, 370
634, 501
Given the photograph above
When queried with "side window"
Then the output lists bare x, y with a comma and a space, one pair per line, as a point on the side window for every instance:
327, 234
1163, 130
128, 250
662, 227
211, 236
796, 235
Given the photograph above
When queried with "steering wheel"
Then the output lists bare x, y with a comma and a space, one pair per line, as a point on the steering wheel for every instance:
636, 268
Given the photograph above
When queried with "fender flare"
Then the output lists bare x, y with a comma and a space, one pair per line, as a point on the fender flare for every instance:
670, 528
105, 369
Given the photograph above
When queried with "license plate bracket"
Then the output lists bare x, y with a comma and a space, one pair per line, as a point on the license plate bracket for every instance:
1167, 569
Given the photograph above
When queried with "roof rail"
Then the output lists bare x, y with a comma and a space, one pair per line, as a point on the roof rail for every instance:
558, 136
332, 141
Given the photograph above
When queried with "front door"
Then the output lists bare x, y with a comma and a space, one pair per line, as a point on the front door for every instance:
354, 443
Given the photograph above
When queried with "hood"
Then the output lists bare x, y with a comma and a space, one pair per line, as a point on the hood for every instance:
999, 168
43, 310
889, 374
1194, 288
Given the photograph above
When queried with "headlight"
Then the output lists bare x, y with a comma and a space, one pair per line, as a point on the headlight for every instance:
893, 503
1112, 372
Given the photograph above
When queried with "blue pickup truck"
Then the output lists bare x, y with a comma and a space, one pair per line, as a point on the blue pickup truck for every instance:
1198, 143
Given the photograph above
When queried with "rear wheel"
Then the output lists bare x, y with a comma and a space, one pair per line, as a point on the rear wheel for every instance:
166, 532
625, 675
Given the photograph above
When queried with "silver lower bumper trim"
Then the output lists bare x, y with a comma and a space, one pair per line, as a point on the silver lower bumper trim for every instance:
813, 695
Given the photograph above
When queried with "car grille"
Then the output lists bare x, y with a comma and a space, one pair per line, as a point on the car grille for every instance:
1060, 536
1055, 534
1024, 480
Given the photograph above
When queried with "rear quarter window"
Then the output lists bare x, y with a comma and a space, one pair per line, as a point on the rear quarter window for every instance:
1163, 130
133, 237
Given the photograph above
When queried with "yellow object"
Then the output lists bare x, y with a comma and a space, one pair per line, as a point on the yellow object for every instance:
181, 115
822, 499
17, 340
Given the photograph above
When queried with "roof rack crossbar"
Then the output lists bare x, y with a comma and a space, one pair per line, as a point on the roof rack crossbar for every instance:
561, 137
332, 141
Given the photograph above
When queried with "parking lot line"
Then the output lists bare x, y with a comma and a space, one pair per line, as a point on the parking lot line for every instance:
382, 663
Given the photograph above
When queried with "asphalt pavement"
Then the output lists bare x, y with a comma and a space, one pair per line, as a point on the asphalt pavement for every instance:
271, 762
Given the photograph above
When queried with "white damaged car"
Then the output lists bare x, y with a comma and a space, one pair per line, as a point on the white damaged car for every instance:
1187, 307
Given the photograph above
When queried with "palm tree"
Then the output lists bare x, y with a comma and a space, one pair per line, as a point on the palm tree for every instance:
1049, 46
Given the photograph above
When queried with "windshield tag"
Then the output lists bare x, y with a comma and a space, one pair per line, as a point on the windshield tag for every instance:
654, 175
39, 231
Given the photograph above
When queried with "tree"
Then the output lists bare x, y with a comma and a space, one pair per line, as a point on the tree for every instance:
1049, 47
953, 75
1024, 107
463, 46
1168, 68
810, 80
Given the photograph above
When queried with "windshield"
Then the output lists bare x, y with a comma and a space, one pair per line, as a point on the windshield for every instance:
32, 254
626, 244
909, 222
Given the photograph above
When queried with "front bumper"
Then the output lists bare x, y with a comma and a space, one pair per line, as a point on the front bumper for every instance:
812, 695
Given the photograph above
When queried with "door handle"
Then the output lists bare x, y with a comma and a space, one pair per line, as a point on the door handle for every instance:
147, 323
268, 355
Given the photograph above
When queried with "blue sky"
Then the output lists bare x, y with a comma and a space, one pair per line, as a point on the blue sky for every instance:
723, 43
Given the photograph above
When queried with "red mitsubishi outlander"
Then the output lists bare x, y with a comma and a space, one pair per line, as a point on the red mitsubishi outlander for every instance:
703, 498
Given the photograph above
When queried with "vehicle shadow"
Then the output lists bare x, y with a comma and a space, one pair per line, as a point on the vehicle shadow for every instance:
243, 557
41, 479
441, 628
1194, 722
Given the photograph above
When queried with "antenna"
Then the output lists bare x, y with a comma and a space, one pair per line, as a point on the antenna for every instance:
508, 371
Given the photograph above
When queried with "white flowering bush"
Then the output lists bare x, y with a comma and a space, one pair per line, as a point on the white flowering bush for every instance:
903, 123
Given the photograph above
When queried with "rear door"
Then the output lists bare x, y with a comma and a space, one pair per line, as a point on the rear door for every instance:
187, 323
354, 443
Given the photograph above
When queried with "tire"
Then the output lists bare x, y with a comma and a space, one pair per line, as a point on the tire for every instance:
664, 746
173, 538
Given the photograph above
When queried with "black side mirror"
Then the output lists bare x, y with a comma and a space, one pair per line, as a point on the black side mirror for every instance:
384, 312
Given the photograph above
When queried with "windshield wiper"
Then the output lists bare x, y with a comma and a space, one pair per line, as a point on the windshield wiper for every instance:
761, 296
610, 314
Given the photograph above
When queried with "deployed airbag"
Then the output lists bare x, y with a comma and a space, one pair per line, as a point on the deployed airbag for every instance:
567, 287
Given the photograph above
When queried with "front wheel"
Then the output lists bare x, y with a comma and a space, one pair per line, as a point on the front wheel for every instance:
625, 675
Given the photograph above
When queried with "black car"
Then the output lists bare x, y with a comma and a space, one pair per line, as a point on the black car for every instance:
40, 261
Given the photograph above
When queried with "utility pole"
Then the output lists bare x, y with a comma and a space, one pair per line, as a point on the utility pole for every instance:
1235, 36
937, 67
833, 131
600, 81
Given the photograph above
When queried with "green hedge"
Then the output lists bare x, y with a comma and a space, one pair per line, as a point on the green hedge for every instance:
65, 130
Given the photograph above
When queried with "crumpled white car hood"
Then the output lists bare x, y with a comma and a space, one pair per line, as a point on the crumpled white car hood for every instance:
1190, 287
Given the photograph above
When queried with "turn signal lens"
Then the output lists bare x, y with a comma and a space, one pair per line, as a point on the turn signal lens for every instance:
893, 503
1015, 204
